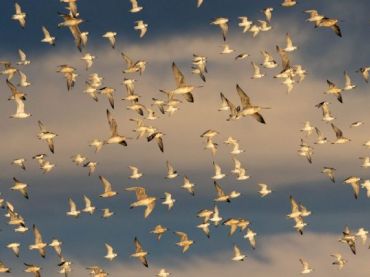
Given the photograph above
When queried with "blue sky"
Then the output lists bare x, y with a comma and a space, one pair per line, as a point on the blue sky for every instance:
177, 29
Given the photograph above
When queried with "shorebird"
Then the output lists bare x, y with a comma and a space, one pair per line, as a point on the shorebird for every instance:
107, 213
366, 185
132, 67
141, 26
14, 246
98, 144
140, 253
348, 85
143, 200
78, 159
333, 89
73, 209
91, 166
349, 238
222, 22
188, 186
135, 8
21, 187
247, 108
306, 267
171, 172
330, 172
182, 88
288, 3
4, 268
327, 116
268, 13
238, 256
19, 15
89, 208
268, 60
329, 23
307, 128
159, 230
35, 269
356, 124
23, 80
47, 37
365, 162
20, 162
111, 36
108, 192
39, 245
169, 201
257, 74
184, 242
362, 234
163, 272
135, 174
264, 190
250, 235
364, 71
314, 16
305, 150
321, 139
355, 184
22, 58
218, 173
115, 138
339, 260
244, 23
221, 196
88, 59
158, 136
289, 44
339, 134
57, 246
110, 253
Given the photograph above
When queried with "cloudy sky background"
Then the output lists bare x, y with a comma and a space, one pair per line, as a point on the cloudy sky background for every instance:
176, 31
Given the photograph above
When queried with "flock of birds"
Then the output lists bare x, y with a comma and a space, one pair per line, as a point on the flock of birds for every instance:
290, 75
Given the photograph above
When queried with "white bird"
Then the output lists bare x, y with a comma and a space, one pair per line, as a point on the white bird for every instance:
163, 272
107, 213
339, 261
238, 256
189, 186
327, 116
244, 23
14, 246
362, 234
184, 242
288, 3
268, 13
108, 192
98, 144
21, 187
23, 80
364, 71
257, 74
19, 15
140, 253
348, 85
366, 185
264, 190
365, 162
20, 112
46, 136
330, 172
4, 268
91, 166
78, 159
251, 236
110, 253
141, 26
143, 200
38, 244
159, 230
22, 58
306, 267
89, 208
171, 172
135, 174
88, 59
20, 162
135, 8
169, 201
222, 22
111, 36
47, 37
226, 49
218, 173
46, 167
307, 128
289, 44
339, 134
73, 211
355, 184
57, 246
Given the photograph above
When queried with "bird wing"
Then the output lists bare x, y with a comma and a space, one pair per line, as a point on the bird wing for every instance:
244, 98
179, 77
106, 184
